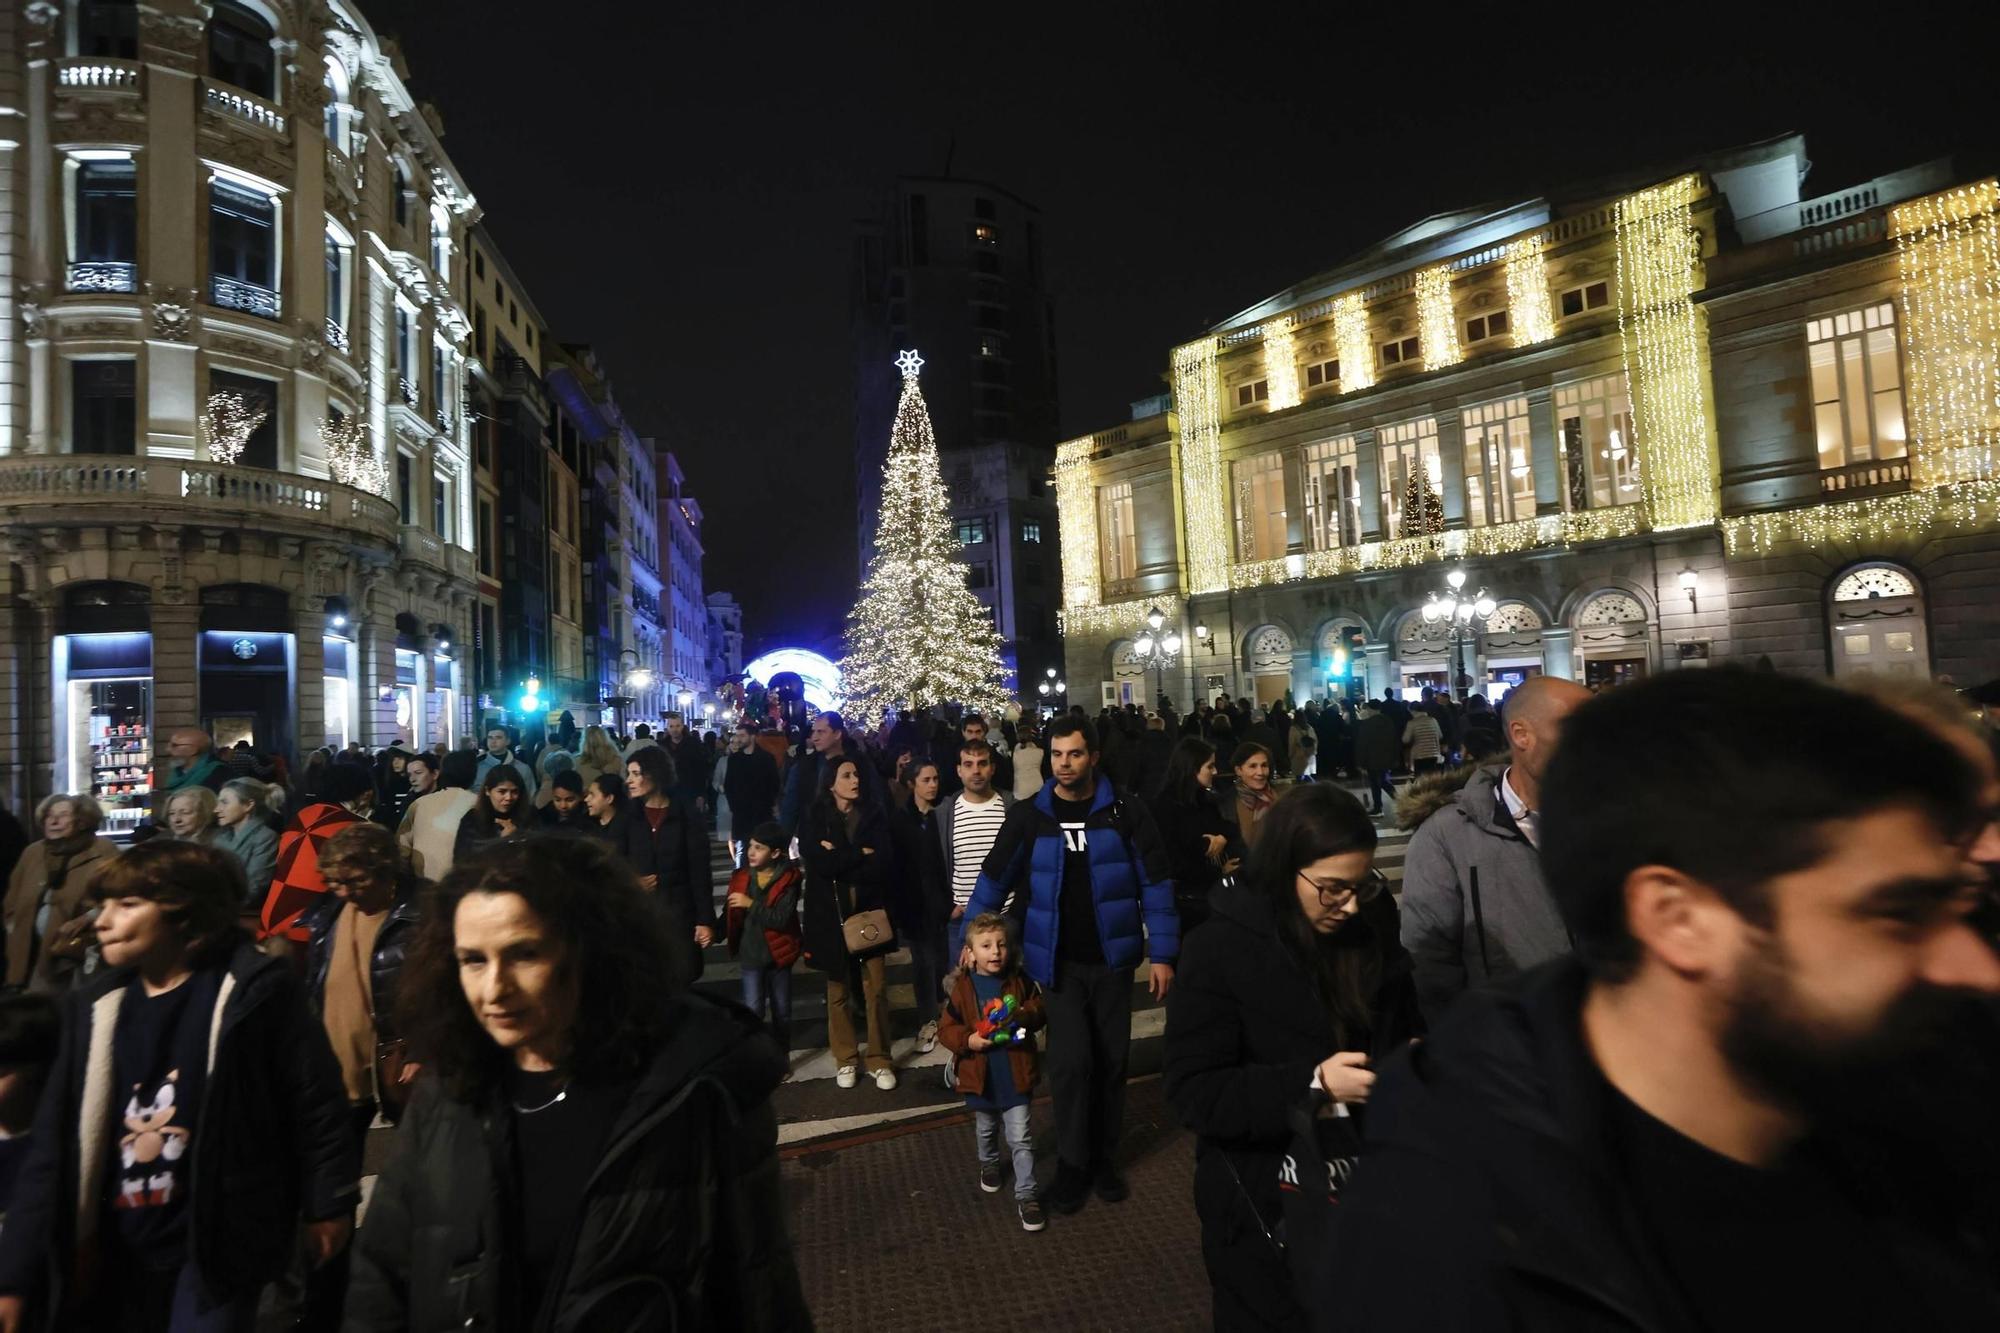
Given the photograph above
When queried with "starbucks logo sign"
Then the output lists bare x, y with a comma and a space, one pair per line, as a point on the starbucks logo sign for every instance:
244, 649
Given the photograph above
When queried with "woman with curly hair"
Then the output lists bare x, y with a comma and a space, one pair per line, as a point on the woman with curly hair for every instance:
592, 1144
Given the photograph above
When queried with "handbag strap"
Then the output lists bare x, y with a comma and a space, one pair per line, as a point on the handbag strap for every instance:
1251, 1204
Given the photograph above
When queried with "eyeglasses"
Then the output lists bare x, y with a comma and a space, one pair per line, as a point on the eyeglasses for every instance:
1339, 892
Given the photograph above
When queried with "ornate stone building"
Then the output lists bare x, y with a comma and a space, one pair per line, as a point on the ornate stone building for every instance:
1687, 418
235, 481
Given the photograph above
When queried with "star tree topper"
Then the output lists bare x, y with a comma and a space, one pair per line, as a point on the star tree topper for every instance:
909, 363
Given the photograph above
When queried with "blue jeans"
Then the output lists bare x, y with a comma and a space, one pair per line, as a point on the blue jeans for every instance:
775, 982
1014, 1121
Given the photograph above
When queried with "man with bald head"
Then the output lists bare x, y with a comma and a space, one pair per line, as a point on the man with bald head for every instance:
1475, 906
191, 761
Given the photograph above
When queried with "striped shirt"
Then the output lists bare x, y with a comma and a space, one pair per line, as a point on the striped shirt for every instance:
975, 827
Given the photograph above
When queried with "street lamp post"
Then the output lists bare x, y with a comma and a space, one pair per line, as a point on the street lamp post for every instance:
636, 677
1157, 647
1457, 612
1051, 687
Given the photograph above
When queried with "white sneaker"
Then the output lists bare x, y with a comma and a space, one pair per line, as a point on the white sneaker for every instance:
927, 1038
885, 1079
845, 1078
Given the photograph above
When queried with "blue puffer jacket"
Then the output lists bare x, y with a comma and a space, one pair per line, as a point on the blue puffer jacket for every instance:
1129, 880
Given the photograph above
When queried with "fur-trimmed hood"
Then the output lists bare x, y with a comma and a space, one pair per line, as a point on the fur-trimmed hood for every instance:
1433, 792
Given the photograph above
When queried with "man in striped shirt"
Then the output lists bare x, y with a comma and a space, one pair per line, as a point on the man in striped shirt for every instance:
968, 825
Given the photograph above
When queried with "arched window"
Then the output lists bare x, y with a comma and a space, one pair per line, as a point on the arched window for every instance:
1878, 623
239, 49
1513, 618
335, 121
1873, 581
1611, 608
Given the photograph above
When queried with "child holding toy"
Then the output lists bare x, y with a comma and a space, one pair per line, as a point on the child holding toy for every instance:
763, 926
989, 1023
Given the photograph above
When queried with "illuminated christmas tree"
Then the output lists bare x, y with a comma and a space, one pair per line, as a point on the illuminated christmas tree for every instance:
918, 636
1423, 510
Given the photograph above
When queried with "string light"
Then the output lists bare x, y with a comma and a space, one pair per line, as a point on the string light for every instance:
1281, 366
1205, 500
1076, 506
918, 636
350, 459
1437, 323
1547, 530
1949, 258
1350, 336
229, 421
1528, 309
1118, 617
1661, 333
1879, 520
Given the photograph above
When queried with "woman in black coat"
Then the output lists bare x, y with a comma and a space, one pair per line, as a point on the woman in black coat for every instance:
1294, 990
1202, 845
666, 844
922, 910
591, 1145
848, 849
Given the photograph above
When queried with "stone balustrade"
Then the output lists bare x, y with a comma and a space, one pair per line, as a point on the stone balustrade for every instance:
62, 489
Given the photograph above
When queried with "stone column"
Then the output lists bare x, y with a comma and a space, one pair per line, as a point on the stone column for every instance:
1558, 653
309, 679
176, 676
375, 715
1543, 450
1451, 466
420, 712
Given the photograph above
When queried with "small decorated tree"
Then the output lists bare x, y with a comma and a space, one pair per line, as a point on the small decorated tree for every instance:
1423, 510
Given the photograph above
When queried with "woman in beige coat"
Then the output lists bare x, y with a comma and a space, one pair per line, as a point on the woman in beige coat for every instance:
45, 908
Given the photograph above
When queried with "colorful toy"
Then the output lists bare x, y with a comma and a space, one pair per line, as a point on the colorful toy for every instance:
996, 1022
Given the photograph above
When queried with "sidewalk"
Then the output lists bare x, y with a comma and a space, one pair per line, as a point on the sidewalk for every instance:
894, 1236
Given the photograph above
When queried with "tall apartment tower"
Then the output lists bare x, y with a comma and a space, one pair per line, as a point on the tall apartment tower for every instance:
955, 270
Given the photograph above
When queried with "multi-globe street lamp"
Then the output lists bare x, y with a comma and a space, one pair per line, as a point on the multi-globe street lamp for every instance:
1158, 647
1051, 687
1463, 617
632, 679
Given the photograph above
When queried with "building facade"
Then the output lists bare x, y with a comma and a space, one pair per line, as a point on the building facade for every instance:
235, 473
725, 638
955, 270
682, 610
1686, 419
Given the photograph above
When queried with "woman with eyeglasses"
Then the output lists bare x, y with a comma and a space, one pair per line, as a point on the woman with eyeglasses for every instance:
1282, 1007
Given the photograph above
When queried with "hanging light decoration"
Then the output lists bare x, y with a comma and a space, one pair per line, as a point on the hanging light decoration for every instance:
1528, 307
1076, 509
1948, 255
228, 422
1437, 323
1281, 366
1205, 497
350, 459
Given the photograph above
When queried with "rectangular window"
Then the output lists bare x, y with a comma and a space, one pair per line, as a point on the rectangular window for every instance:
485, 537
440, 400
261, 449
1499, 467
1406, 448
978, 576
1406, 349
103, 417
1031, 532
108, 28
107, 226
1331, 483
405, 353
1116, 530
1260, 507
1482, 327
442, 507
1248, 394
1857, 384
1594, 296
489, 644
986, 234
242, 249
336, 283
1323, 372
1598, 462
478, 264
405, 502
971, 531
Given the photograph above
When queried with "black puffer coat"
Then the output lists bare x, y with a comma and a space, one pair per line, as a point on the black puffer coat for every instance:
682, 1225
1245, 1031
865, 879
677, 852
385, 966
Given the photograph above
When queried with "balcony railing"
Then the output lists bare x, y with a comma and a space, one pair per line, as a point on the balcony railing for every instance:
1875, 477
407, 390
103, 275
336, 337
243, 107
249, 297
423, 544
99, 74
70, 486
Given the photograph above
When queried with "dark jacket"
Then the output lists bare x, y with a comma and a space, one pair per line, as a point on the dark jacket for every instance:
750, 785
476, 832
1184, 830
802, 783
273, 1142
682, 1224
692, 762
923, 898
1246, 1028
960, 1017
1378, 743
385, 965
1488, 1200
1130, 883
864, 880
677, 852
1476, 908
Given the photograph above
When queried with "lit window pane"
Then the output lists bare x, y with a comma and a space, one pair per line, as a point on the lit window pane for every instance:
1855, 645
1899, 641
1832, 449
1890, 441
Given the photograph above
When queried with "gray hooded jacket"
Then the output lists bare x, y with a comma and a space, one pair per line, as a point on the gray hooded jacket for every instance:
1475, 906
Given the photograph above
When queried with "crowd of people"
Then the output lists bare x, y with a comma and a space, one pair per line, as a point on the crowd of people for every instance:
1687, 1000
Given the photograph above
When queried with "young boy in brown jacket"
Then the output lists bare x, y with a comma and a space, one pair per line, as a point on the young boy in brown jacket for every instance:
988, 1023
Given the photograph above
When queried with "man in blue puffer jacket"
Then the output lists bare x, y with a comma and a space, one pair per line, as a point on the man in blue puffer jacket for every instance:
1093, 893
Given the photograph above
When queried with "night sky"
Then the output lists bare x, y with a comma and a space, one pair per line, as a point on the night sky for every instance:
676, 184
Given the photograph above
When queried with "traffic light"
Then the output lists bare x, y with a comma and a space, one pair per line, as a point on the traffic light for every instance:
531, 696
